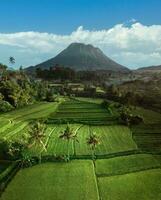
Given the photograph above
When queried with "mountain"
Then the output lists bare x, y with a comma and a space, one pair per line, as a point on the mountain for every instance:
79, 56
151, 68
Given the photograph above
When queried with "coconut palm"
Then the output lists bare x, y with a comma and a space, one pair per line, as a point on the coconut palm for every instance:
93, 141
11, 60
2, 68
68, 134
36, 136
3, 71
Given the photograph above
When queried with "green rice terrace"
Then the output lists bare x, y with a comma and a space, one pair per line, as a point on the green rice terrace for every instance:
124, 165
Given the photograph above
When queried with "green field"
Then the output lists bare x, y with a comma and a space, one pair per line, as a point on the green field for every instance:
78, 180
91, 100
144, 185
82, 112
149, 116
113, 139
58, 181
125, 168
126, 164
14, 124
148, 137
32, 111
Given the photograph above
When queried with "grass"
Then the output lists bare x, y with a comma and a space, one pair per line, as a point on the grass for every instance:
30, 112
57, 146
114, 139
146, 128
4, 165
13, 124
124, 176
149, 116
4, 124
76, 111
144, 185
148, 142
147, 137
14, 130
81, 148
126, 164
70, 181
91, 100
8, 167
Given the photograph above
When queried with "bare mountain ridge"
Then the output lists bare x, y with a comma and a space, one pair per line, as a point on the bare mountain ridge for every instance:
79, 56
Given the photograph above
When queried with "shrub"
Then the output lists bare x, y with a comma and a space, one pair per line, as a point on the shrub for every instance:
135, 120
50, 96
4, 149
105, 104
5, 106
129, 119
7, 171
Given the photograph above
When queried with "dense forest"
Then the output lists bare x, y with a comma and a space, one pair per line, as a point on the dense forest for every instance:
18, 90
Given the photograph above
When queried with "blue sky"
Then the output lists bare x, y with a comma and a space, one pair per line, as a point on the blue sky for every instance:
63, 17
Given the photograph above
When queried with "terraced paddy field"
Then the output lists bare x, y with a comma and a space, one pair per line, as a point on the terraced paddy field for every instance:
79, 179
91, 100
144, 185
126, 167
30, 112
109, 137
113, 139
82, 112
14, 124
149, 116
126, 164
148, 137
57, 181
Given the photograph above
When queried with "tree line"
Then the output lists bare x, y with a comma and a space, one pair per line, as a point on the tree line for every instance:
66, 73
17, 89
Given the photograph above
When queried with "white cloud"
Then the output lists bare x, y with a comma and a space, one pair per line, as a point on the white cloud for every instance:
134, 46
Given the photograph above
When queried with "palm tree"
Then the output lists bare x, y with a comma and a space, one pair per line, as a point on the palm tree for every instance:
36, 136
68, 135
11, 60
93, 141
2, 68
3, 71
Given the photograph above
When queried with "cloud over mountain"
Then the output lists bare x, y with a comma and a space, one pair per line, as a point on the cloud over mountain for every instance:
133, 45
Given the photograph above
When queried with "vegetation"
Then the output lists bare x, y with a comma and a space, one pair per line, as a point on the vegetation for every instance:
68, 135
128, 186
36, 136
18, 90
74, 111
60, 114
126, 164
74, 180
93, 141
135, 92
120, 153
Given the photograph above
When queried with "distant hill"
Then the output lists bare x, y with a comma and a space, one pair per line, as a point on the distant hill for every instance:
153, 68
79, 56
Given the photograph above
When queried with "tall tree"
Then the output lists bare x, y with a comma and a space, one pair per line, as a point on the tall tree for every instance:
11, 60
36, 136
93, 141
68, 134
3, 71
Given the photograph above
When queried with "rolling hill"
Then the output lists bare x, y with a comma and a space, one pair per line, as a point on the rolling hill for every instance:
151, 68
